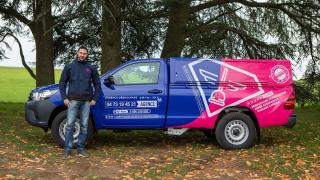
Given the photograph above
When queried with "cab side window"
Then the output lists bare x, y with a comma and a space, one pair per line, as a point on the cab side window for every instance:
138, 73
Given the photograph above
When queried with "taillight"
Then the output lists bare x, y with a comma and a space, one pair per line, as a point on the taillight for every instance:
290, 101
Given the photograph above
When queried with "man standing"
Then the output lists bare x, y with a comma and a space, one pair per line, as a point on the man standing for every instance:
79, 75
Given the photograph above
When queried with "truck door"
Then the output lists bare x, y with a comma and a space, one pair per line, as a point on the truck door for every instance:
138, 97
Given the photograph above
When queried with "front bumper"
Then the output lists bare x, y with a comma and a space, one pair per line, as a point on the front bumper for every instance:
37, 113
292, 120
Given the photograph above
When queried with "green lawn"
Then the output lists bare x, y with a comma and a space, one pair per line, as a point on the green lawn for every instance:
16, 84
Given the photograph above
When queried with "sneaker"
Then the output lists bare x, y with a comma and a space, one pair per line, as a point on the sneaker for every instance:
83, 153
66, 154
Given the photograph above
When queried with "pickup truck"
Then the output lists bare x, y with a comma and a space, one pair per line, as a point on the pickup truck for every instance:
227, 99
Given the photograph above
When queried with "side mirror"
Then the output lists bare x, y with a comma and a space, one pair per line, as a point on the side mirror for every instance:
108, 81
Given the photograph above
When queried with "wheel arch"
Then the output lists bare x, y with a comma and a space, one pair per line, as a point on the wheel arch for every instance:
240, 109
54, 113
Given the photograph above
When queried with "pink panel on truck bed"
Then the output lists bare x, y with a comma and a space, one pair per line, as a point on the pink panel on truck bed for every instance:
263, 86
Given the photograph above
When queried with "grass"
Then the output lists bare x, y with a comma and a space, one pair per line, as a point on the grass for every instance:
15, 132
292, 153
284, 153
16, 84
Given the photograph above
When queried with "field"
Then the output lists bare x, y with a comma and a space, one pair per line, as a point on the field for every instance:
28, 152
16, 84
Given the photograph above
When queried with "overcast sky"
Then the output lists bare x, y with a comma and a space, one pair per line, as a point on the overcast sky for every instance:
14, 59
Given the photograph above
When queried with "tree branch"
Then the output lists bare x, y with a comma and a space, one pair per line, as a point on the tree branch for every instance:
14, 13
245, 44
221, 26
221, 15
281, 7
21, 55
209, 5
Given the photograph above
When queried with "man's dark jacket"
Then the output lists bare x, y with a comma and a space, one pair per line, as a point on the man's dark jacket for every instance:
80, 76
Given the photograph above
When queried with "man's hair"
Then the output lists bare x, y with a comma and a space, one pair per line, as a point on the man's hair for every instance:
83, 47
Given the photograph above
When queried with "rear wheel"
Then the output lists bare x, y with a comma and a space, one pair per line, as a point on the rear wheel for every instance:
236, 131
58, 129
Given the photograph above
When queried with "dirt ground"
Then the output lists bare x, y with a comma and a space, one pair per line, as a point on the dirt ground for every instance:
26, 152
126, 157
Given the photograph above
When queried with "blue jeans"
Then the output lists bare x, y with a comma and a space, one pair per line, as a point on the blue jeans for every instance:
73, 110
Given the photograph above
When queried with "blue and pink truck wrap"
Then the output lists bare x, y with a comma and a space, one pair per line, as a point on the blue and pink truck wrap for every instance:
229, 99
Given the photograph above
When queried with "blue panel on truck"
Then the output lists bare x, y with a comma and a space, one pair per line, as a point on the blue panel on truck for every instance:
185, 103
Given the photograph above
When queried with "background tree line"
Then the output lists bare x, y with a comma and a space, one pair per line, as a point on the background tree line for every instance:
116, 30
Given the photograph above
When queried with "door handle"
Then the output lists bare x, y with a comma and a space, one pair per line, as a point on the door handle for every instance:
155, 91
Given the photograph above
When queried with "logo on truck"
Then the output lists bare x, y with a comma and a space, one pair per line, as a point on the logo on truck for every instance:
225, 84
279, 74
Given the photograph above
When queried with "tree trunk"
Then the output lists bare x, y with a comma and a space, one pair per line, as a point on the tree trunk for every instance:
176, 33
111, 35
42, 30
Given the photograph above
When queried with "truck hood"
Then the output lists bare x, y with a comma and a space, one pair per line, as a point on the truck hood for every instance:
49, 87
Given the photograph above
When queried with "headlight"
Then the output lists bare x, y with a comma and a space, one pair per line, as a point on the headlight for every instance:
42, 95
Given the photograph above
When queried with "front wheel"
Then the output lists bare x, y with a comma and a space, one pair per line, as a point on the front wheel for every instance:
58, 129
236, 131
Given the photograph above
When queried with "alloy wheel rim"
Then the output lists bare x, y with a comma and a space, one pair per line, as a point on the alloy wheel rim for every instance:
62, 130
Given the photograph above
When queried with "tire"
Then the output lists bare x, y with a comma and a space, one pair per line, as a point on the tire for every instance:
58, 126
236, 131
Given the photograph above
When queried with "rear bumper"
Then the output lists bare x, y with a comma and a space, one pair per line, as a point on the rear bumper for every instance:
37, 113
292, 120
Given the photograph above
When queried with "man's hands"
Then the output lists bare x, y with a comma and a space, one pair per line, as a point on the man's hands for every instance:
92, 102
66, 102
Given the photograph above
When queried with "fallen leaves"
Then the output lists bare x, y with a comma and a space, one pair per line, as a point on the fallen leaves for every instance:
248, 163
40, 168
301, 162
21, 140
153, 158
281, 154
10, 176
30, 160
